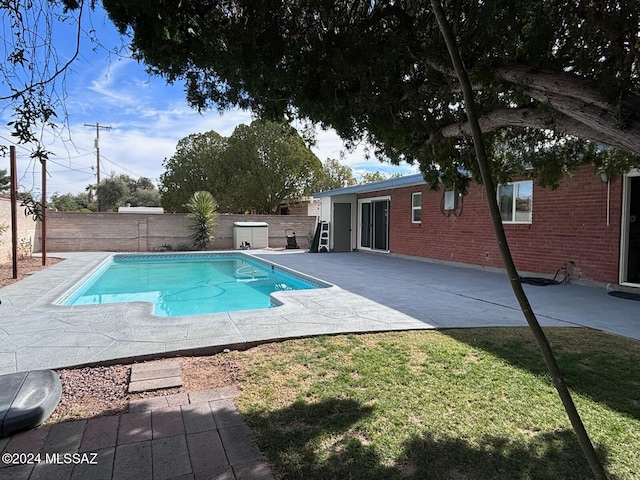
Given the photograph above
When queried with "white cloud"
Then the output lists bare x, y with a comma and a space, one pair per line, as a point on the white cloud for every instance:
148, 118
137, 145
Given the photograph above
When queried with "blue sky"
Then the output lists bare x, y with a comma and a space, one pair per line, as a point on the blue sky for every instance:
147, 119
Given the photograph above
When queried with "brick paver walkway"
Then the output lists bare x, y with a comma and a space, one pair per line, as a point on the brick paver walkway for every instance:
199, 435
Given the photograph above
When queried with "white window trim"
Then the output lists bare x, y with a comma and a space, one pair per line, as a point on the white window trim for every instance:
414, 208
513, 211
624, 229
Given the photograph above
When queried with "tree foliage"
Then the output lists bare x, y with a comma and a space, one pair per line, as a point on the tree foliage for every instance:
41, 41
192, 168
258, 167
113, 192
68, 202
5, 181
334, 175
118, 190
554, 79
377, 176
268, 164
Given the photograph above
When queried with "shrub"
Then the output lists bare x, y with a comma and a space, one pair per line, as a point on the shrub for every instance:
203, 213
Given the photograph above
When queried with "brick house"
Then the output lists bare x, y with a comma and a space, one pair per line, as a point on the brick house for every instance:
590, 219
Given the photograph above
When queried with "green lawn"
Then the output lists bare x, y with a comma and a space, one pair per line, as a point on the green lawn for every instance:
455, 404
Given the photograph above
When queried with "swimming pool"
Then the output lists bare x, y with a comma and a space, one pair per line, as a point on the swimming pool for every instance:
187, 283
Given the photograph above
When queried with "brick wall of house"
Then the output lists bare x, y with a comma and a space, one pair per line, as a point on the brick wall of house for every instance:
569, 223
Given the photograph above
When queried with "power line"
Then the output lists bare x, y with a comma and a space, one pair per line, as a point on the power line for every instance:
81, 170
123, 168
68, 167
79, 156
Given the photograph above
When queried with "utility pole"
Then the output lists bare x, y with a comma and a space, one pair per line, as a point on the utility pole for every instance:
97, 145
43, 220
14, 215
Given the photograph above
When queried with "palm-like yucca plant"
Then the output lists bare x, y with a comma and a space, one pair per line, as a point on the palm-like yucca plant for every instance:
202, 212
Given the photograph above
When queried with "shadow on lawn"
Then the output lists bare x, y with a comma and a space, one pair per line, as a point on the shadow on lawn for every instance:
324, 441
604, 367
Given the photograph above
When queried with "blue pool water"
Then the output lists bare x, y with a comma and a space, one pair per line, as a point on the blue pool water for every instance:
187, 284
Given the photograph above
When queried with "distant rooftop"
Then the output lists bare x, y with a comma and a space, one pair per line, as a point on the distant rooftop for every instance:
144, 210
406, 181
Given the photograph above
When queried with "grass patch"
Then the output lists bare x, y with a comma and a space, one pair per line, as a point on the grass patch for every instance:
456, 404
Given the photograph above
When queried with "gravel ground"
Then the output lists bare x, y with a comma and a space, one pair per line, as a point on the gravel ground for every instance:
97, 391
26, 266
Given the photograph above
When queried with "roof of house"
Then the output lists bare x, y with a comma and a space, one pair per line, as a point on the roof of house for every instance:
143, 210
405, 181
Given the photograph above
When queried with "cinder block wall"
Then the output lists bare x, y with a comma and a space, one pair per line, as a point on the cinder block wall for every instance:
131, 232
28, 229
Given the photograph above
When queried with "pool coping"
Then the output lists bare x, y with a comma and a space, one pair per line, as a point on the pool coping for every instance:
36, 333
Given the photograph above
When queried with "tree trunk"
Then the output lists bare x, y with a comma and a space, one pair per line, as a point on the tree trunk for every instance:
514, 279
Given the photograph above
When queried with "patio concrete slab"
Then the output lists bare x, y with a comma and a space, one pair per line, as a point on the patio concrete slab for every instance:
155, 375
198, 417
202, 432
370, 293
155, 384
449, 296
159, 368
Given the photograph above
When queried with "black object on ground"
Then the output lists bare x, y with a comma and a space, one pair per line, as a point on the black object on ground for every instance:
291, 239
27, 399
539, 281
625, 295
543, 282
316, 239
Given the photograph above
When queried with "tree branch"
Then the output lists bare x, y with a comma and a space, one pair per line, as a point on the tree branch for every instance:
564, 84
595, 119
29, 88
627, 140
580, 108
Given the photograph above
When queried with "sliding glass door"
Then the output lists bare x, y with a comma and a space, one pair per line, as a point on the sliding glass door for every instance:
630, 234
366, 226
374, 224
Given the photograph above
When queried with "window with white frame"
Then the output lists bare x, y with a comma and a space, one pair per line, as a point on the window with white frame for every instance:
416, 207
515, 200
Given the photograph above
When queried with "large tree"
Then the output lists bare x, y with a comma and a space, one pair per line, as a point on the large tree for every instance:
117, 190
68, 202
268, 164
258, 167
537, 87
333, 175
548, 75
191, 169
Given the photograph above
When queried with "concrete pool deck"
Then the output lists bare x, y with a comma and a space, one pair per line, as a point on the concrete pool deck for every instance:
200, 434
371, 293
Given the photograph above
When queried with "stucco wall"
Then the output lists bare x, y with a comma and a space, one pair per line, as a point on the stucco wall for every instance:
28, 229
73, 231
569, 223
